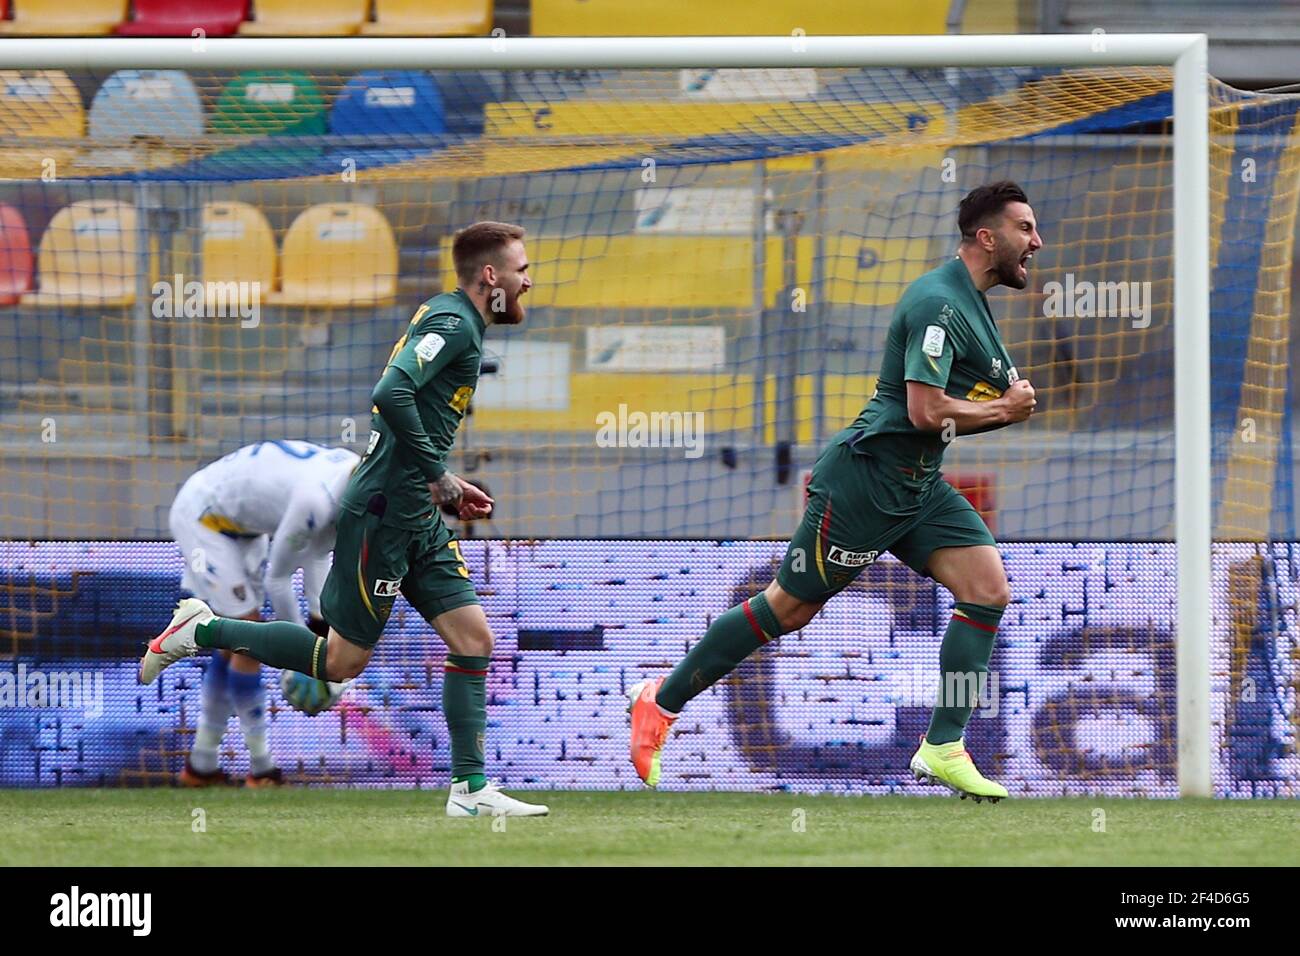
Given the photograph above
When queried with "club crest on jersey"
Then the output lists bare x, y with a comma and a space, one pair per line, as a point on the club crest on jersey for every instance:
387, 588
850, 559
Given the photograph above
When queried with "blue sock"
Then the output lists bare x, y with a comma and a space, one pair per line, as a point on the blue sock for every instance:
214, 714
249, 697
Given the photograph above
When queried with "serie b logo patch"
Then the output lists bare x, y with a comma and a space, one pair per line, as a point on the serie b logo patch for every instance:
935, 336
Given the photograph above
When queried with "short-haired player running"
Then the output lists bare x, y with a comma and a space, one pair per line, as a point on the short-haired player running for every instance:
391, 537
877, 487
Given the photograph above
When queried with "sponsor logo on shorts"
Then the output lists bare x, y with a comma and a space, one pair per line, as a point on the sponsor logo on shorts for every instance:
387, 588
850, 559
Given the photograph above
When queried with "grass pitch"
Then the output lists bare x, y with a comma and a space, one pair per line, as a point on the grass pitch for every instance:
354, 827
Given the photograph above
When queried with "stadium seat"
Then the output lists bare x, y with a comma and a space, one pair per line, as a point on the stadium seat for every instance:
42, 104
262, 102
87, 256
392, 115
179, 18
238, 245
320, 18
137, 113
60, 18
420, 18
388, 103
15, 256
338, 254
731, 17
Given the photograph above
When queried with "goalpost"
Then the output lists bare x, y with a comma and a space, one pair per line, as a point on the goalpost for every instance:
1185, 53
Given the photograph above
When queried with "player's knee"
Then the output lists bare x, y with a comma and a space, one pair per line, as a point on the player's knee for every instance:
791, 612
798, 616
343, 669
478, 645
990, 591
344, 661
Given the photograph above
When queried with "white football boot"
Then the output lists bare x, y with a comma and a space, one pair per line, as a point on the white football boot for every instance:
489, 802
176, 642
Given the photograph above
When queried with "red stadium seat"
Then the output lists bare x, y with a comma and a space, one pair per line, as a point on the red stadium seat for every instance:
179, 18
15, 256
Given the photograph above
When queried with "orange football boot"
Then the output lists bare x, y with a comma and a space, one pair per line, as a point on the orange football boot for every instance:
269, 778
649, 730
189, 777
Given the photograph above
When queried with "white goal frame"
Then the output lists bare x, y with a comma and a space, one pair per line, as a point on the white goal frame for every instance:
1185, 52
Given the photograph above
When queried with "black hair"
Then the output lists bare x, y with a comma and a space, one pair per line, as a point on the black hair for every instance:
983, 203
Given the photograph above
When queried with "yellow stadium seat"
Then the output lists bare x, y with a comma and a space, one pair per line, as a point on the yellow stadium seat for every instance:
238, 246
419, 18
60, 18
42, 104
338, 254
319, 18
577, 18
87, 256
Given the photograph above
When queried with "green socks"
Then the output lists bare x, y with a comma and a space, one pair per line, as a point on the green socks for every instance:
963, 662
464, 702
281, 644
732, 637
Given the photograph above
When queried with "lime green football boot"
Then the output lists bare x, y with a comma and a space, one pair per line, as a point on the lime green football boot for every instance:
951, 766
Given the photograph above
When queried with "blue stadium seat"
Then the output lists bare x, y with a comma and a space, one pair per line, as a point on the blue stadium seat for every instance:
388, 102
155, 104
400, 114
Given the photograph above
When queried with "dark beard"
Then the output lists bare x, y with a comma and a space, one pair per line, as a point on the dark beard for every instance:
514, 314
1008, 270
514, 310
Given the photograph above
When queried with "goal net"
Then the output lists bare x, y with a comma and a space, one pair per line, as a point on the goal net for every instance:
197, 260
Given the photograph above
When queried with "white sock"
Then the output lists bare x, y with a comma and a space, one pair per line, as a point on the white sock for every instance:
249, 696
214, 714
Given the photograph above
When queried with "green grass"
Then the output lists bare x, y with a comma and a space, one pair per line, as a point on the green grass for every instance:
351, 827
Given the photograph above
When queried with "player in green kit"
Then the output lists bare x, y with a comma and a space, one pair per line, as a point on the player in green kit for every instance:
391, 538
877, 487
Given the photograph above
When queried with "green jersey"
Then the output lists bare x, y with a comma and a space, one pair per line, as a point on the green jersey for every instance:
942, 334
419, 405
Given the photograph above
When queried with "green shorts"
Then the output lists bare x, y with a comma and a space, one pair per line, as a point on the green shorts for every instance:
842, 533
373, 562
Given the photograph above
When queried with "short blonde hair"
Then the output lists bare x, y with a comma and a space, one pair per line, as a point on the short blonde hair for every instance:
476, 245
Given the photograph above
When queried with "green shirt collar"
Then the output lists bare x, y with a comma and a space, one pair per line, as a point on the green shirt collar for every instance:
472, 308
960, 274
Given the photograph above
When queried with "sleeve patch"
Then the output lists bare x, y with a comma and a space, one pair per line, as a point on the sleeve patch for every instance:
429, 346
934, 338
